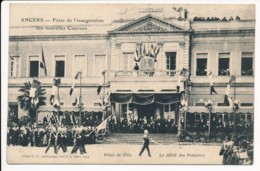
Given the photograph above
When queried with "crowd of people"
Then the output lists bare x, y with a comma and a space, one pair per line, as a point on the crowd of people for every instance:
217, 125
138, 125
237, 150
52, 135
215, 19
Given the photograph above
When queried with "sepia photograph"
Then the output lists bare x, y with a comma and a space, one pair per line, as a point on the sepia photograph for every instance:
129, 83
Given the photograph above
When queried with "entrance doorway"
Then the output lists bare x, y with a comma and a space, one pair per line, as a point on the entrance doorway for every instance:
146, 110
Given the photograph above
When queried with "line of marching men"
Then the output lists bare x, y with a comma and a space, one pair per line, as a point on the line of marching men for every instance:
51, 135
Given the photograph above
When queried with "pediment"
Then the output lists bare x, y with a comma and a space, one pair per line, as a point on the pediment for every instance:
148, 24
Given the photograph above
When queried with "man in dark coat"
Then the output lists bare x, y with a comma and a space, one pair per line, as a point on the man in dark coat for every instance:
146, 144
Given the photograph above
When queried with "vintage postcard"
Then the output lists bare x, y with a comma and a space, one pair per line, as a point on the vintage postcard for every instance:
111, 83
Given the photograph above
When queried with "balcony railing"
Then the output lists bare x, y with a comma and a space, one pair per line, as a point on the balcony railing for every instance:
140, 73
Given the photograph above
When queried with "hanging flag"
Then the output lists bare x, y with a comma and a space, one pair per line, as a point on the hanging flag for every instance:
151, 51
103, 125
179, 83
75, 102
56, 84
212, 89
42, 63
184, 72
137, 49
184, 103
236, 104
56, 103
232, 79
101, 102
157, 50
226, 100
107, 98
73, 85
33, 87
99, 88
35, 100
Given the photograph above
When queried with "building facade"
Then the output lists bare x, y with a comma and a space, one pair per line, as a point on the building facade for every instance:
162, 46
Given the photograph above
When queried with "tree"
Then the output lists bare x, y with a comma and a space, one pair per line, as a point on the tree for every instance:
27, 103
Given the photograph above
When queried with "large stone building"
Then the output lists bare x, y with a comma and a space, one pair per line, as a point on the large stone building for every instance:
106, 54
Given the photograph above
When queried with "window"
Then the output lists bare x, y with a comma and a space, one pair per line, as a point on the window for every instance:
223, 64
201, 69
34, 66
13, 110
100, 65
128, 61
80, 64
247, 64
14, 66
59, 66
171, 60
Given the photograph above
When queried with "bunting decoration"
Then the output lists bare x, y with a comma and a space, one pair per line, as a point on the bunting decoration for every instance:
42, 63
75, 80
212, 89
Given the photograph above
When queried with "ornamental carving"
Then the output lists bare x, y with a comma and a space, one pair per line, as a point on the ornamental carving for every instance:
150, 27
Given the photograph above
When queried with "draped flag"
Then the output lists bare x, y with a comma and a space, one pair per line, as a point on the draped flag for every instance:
107, 98
179, 83
146, 49
184, 103
42, 63
56, 84
212, 89
73, 85
100, 84
232, 79
99, 88
226, 96
226, 100
35, 84
103, 125
75, 102
183, 73
236, 104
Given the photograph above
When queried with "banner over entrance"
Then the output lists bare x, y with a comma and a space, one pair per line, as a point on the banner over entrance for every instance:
145, 98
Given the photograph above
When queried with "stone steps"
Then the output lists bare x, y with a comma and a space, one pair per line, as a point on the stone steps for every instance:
119, 138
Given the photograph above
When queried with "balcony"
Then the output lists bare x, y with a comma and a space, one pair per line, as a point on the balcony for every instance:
144, 76
156, 80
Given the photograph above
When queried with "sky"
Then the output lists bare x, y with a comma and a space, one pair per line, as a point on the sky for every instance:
109, 12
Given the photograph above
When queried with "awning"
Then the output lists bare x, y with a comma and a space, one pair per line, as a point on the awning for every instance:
193, 109
144, 98
70, 109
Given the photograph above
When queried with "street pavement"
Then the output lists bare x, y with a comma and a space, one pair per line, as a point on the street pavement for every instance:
178, 153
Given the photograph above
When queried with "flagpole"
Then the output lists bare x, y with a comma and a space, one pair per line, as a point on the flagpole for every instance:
80, 100
104, 81
58, 107
234, 110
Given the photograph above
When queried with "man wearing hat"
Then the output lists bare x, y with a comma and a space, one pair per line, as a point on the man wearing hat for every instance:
146, 144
